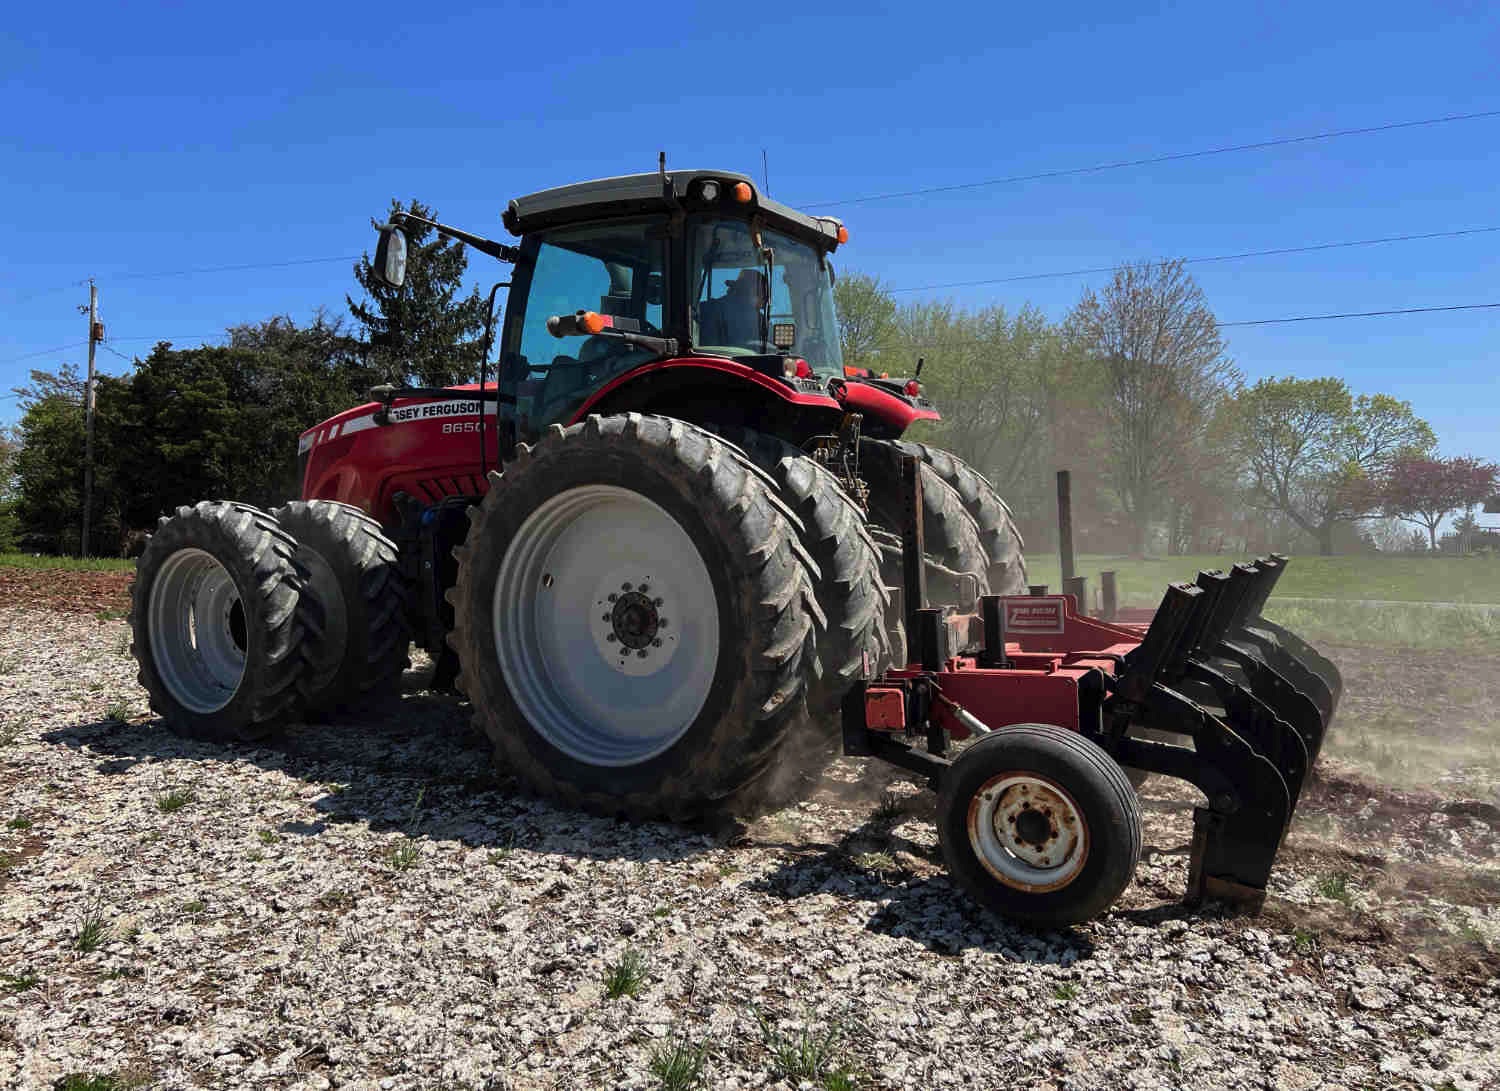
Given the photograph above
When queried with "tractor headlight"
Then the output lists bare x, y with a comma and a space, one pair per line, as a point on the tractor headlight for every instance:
709, 191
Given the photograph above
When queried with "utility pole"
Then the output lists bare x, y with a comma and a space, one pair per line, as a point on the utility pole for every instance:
96, 334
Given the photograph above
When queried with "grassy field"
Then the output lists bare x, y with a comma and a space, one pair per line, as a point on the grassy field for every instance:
1400, 578
66, 564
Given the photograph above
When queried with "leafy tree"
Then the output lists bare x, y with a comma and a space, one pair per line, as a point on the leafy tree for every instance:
424, 333
188, 424
48, 467
1315, 453
867, 314
1164, 372
10, 447
1425, 491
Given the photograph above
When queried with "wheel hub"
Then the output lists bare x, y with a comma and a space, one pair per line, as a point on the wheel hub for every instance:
635, 620
1027, 832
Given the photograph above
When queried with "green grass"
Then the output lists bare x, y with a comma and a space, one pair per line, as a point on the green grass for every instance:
172, 801
877, 862
627, 977
108, 1081
1405, 625
120, 712
19, 983
1474, 579
807, 1054
1066, 991
678, 1065
1335, 887
20, 822
67, 564
93, 930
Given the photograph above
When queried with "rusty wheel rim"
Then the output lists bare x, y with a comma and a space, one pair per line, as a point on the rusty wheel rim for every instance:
1028, 832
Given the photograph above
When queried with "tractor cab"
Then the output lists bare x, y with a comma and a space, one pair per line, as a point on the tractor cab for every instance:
696, 272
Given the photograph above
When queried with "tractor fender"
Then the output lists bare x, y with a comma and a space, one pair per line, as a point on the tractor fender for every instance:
895, 414
624, 391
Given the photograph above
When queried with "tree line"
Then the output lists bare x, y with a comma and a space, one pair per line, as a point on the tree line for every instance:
223, 420
1170, 450
1134, 392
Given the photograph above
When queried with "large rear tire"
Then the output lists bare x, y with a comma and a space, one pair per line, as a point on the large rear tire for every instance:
997, 528
850, 587
635, 620
354, 576
218, 623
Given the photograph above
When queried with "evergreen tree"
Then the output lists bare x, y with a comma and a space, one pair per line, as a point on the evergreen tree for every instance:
423, 333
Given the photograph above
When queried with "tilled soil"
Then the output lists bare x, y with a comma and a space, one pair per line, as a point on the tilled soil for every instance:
367, 903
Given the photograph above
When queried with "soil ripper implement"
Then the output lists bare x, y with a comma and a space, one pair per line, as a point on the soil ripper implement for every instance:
1209, 692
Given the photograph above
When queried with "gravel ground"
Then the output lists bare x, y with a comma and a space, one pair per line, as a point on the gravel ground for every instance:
365, 904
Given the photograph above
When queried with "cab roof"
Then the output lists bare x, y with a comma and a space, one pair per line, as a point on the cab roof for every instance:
634, 194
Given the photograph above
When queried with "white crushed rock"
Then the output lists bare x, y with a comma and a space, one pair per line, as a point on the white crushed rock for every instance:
264, 935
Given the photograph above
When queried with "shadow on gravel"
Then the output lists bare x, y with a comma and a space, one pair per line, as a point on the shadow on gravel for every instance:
413, 766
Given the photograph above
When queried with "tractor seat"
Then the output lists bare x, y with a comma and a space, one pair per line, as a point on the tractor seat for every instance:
567, 379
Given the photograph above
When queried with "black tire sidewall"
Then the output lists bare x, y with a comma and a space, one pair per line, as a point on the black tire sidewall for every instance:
1108, 814
236, 720
637, 472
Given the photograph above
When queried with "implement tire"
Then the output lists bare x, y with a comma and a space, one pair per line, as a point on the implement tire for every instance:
217, 622
354, 576
997, 529
650, 537
1039, 825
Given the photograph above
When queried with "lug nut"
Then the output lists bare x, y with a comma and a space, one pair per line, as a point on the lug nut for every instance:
608, 617
624, 587
643, 588
609, 637
613, 597
641, 654
656, 643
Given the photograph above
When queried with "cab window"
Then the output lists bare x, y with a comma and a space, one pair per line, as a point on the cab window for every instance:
616, 269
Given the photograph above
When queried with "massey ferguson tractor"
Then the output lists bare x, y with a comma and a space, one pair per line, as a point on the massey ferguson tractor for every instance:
677, 553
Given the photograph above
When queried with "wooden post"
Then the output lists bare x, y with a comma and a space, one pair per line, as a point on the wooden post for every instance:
1078, 587
1065, 523
96, 334
1111, 605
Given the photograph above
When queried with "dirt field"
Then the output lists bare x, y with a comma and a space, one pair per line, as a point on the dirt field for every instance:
367, 904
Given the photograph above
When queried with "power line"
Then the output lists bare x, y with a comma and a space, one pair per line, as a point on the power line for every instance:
1363, 314
1148, 161
1196, 261
44, 352
233, 268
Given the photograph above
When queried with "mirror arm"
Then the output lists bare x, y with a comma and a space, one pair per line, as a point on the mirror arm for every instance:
485, 246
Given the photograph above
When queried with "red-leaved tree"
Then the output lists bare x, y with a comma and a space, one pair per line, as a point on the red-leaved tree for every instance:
1425, 491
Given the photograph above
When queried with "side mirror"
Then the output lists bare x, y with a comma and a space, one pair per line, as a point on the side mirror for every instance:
390, 256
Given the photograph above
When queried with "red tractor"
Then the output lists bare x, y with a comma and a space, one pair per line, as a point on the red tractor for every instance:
674, 554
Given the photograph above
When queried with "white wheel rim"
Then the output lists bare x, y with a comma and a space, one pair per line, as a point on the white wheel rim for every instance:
196, 625
1028, 832
571, 621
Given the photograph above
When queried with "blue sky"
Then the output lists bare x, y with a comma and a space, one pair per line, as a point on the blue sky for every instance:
147, 138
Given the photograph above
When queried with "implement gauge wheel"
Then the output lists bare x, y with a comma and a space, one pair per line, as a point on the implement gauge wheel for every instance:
1039, 825
217, 622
